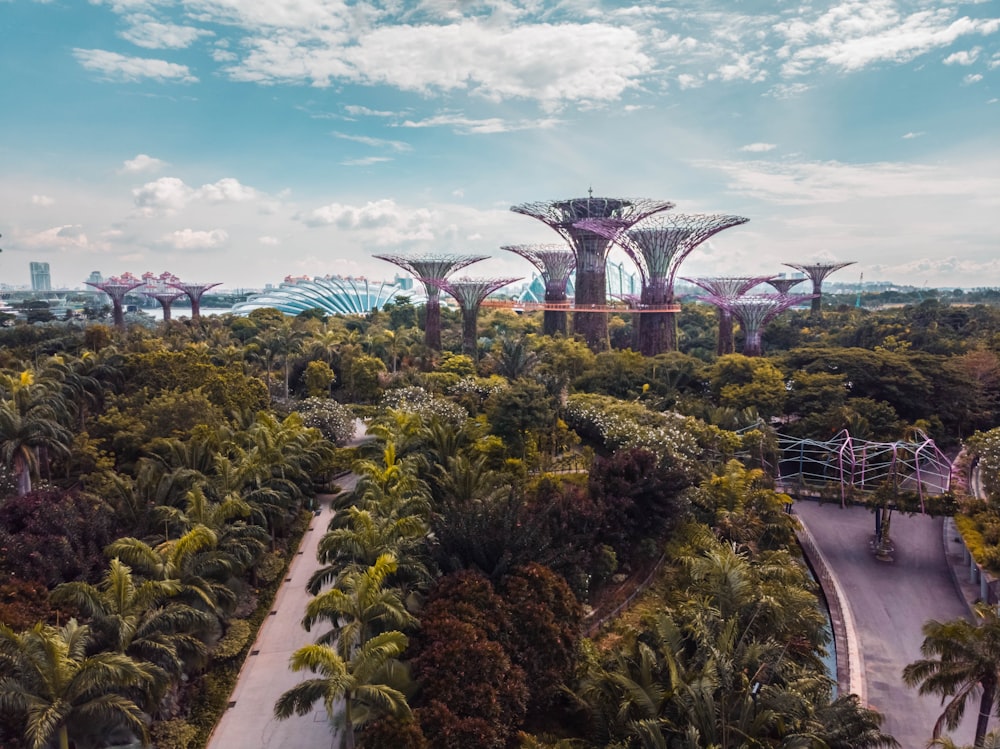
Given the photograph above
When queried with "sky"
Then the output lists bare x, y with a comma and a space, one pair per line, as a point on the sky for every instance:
241, 141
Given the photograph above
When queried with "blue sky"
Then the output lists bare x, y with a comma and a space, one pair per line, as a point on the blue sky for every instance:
243, 140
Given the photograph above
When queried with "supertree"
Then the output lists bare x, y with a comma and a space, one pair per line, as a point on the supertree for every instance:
555, 263
469, 293
784, 285
658, 246
754, 312
726, 287
194, 292
117, 288
817, 272
165, 298
430, 269
591, 251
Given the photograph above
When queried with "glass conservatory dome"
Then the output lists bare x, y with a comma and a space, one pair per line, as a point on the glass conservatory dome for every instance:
334, 295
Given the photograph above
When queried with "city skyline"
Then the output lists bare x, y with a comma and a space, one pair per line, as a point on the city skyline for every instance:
240, 142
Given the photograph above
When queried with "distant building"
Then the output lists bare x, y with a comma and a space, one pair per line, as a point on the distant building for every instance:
41, 279
95, 277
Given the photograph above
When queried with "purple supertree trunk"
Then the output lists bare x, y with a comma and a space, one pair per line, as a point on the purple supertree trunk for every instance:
117, 291
658, 245
727, 287
431, 269
754, 312
166, 300
590, 318
554, 262
816, 272
194, 292
470, 293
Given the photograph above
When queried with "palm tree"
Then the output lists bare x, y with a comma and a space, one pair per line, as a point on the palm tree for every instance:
358, 607
359, 681
139, 619
60, 692
960, 658
33, 415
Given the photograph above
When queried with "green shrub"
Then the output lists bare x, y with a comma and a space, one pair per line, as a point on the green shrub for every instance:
173, 734
237, 634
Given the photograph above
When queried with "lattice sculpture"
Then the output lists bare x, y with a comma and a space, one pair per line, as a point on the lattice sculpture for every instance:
555, 264
591, 250
116, 289
194, 292
817, 272
469, 293
726, 287
754, 312
429, 270
784, 285
658, 245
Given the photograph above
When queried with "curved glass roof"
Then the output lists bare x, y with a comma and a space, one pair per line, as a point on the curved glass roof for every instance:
334, 295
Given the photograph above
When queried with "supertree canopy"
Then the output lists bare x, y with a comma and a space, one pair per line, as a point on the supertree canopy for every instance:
591, 250
784, 285
726, 287
555, 264
194, 292
431, 269
817, 272
658, 245
754, 312
469, 293
165, 298
117, 288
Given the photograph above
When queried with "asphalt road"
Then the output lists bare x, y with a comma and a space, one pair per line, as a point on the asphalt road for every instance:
889, 603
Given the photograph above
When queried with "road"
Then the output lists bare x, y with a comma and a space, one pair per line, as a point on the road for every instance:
250, 723
889, 603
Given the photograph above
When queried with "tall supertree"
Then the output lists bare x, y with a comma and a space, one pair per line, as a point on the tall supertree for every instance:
469, 293
194, 292
727, 287
658, 246
591, 251
817, 272
165, 298
430, 269
784, 285
754, 312
117, 288
555, 263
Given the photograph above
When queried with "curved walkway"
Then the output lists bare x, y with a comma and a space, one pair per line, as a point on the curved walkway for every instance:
887, 604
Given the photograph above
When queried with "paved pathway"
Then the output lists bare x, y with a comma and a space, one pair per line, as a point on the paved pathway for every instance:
889, 603
250, 723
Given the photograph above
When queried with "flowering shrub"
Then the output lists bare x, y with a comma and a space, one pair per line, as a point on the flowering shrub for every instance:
621, 425
334, 420
416, 400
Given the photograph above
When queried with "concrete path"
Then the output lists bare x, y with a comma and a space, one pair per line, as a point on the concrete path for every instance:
265, 676
889, 603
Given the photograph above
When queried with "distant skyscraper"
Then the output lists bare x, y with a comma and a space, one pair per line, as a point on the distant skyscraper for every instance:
40, 278
95, 277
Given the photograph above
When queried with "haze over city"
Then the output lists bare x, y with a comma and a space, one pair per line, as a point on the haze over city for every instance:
244, 140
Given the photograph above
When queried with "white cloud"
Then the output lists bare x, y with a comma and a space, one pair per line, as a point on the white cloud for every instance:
145, 31
42, 200
142, 163
365, 161
358, 111
64, 237
121, 68
912, 135
963, 57
189, 239
170, 194
758, 147
972, 78
466, 125
269, 240
857, 33
395, 145
994, 62
383, 220
550, 63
